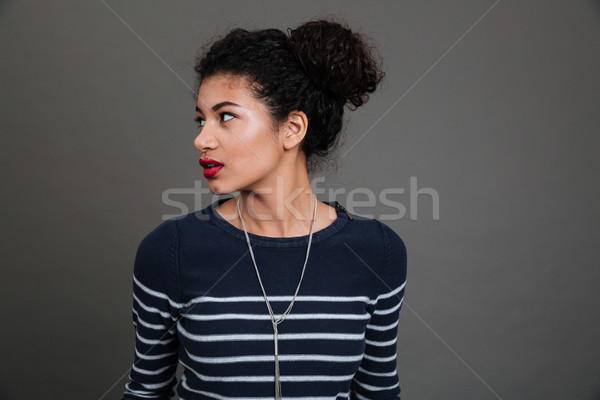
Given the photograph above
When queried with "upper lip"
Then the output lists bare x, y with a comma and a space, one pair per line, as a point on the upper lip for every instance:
204, 162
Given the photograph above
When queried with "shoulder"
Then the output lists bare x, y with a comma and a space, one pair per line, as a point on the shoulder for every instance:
159, 239
156, 261
167, 236
377, 233
191, 224
383, 248
393, 241
395, 256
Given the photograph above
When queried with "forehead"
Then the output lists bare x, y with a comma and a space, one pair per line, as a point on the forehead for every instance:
221, 87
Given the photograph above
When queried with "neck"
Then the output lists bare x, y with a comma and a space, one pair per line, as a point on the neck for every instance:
284, 212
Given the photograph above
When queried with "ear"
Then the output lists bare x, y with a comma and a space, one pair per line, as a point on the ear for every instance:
294, 129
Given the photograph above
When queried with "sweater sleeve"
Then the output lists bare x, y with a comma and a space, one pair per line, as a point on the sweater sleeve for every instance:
377, 377
156, 302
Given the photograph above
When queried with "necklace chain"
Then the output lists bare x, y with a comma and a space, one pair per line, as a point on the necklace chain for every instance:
277, 321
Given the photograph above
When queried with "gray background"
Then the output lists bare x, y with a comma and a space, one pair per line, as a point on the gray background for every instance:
492, 105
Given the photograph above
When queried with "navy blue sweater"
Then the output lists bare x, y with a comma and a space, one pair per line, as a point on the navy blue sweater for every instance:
197, 302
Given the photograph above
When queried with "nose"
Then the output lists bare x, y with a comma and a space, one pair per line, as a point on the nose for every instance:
205, 140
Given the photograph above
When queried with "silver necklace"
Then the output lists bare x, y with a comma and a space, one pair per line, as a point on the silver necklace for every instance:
277, 321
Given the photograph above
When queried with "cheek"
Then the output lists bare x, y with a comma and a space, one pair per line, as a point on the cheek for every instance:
252, 149
262, 152
254, 164
269, 157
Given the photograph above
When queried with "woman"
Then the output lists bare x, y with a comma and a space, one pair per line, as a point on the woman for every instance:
271, 293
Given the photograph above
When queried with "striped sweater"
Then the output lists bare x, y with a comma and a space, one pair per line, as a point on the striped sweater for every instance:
197, 302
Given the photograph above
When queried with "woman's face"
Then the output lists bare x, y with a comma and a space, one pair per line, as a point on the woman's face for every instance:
238, 135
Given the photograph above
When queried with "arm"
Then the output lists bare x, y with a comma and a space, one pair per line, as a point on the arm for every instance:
155, 312
377, 377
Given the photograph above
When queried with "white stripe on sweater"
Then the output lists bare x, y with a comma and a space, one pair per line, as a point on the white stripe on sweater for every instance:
270, 378
220, 397
271, 358
269, 336
264, 317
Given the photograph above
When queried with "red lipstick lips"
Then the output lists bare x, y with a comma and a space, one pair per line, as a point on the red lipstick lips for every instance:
211, 167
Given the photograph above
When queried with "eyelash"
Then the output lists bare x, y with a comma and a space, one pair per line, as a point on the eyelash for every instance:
199, 119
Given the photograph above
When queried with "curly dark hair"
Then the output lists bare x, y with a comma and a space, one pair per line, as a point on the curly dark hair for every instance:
320, 67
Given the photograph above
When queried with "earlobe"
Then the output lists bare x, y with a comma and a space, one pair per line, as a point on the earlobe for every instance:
294, 129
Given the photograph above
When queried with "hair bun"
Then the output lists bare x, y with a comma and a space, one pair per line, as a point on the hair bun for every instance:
337, 60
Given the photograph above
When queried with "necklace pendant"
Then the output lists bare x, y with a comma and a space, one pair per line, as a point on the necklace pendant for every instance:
275, 322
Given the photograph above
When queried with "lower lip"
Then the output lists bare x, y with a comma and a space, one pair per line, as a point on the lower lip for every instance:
210, 172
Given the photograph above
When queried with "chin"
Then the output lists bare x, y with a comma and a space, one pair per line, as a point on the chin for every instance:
219, 190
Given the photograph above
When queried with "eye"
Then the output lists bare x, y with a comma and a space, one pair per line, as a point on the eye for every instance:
201, 122
226, 113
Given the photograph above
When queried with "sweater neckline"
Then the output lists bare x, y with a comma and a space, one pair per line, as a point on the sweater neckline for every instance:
270, 241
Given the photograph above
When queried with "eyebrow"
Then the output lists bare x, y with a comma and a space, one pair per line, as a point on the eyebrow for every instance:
219, 105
